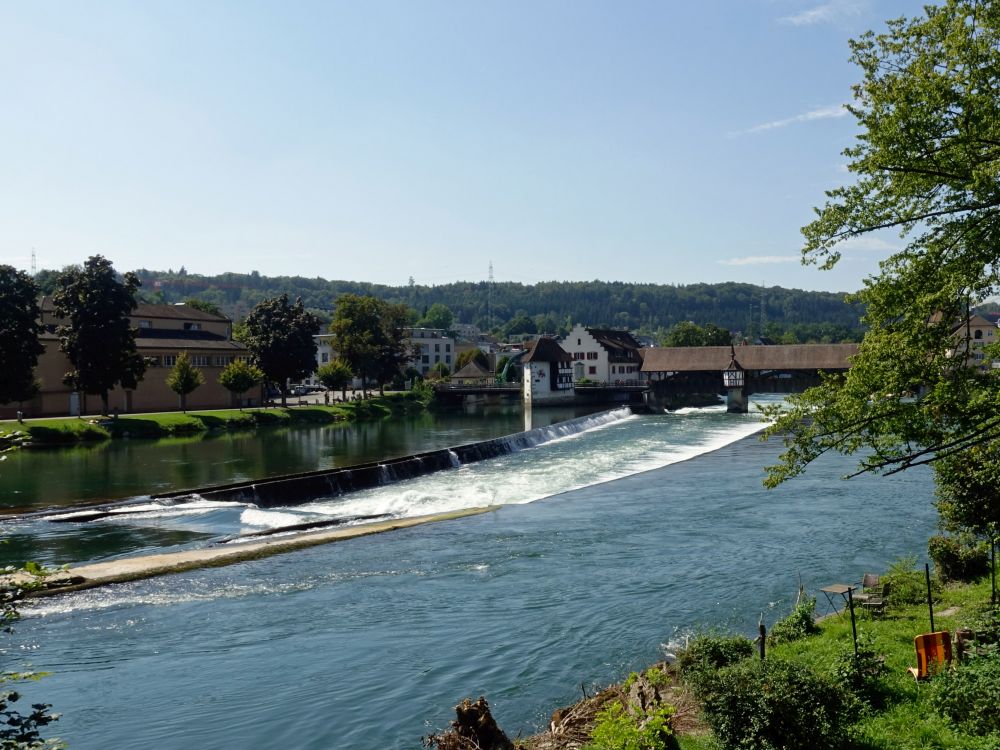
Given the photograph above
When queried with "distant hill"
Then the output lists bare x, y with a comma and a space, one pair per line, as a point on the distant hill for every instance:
554, 305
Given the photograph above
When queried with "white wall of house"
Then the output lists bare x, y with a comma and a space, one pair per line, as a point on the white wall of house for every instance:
325, 354
433, 347
537, 383
587, 352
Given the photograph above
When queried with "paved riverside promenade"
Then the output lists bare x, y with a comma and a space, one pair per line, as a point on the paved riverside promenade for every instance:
150, 566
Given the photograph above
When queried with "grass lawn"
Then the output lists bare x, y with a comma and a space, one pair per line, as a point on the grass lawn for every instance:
908, 720
75, 429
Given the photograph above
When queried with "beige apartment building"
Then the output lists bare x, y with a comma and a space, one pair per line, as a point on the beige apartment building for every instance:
164, 331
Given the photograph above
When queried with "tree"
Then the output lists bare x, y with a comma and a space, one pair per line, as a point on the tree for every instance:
394, 349
968, 490
437, 316
926, 163
472, 355
19, 332
199, 304
279, 337
685, 333
184, 378
439, 371
368, 336
98, 337
335, 375
521, 324
238, 377
22, 731
688, 333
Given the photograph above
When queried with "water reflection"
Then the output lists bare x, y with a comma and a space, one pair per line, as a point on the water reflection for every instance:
40, 478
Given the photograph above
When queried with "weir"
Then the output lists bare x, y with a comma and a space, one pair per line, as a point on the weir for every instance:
296, 489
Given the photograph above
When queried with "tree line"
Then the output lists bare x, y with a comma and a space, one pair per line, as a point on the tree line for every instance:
94, 303
553, 307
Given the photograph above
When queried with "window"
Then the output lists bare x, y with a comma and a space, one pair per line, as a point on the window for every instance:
192, 326
447, 359
145, 324
153, 361
169, 360
200, 360
437, 358
426, 360
437, 347
325, 357
447, 347
578, 342
978, 334
592, 370
591, 355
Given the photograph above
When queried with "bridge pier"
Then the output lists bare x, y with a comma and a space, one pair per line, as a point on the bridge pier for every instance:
737, 401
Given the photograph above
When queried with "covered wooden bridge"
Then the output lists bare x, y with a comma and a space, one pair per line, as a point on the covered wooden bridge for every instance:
674, 371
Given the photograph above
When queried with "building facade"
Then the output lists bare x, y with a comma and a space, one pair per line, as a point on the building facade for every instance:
547, 373
163, 333
603, 355
431, 346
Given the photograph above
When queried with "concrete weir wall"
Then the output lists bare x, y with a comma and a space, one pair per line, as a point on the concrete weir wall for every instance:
295, 489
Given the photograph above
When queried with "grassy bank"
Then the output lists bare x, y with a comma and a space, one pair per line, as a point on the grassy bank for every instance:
811, 692
68, 430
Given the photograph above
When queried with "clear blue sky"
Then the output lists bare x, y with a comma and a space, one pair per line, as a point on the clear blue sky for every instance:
671, 142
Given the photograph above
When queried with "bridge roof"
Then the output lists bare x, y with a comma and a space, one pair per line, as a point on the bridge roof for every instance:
707, 358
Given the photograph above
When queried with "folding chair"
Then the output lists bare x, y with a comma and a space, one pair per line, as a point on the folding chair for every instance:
933, 651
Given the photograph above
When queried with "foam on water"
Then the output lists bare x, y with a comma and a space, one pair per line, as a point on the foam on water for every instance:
558, 459
150, 510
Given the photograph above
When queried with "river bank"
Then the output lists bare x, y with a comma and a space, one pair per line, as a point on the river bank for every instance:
68, 430
883, 706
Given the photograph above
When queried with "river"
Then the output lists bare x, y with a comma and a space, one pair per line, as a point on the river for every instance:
611, 545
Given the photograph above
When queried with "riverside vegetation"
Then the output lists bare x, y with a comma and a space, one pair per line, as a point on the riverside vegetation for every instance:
811, 691
70, 430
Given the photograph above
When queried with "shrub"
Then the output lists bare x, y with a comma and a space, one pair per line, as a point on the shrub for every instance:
707, 650
862, 674
21, 731
800, 623
959, 558
907, 585
969, 694
984, 621
619, 729
773, 705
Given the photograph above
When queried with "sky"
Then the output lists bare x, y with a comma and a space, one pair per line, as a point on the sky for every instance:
671, 142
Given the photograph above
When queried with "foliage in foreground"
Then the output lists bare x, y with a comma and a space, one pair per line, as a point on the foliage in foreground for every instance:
924, 165
907, 585
773, 705
863, 673
969, 695
713, 651
800, 623
960, 557
21, 731
619, 728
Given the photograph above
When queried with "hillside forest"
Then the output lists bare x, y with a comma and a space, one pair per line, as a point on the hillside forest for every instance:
510, 308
